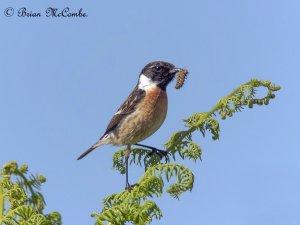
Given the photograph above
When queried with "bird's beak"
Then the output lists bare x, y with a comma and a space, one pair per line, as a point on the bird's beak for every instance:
175, 71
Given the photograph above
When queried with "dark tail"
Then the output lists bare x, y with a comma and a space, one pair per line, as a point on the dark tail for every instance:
89, 150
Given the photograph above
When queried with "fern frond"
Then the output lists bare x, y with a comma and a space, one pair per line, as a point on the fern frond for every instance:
16, 196
138, 156
139, 214
134, 206
118, 161
226, 107
24, 203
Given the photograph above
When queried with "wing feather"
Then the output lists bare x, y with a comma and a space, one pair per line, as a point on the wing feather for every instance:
126, 108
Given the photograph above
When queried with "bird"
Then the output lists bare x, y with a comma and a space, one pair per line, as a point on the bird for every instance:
142, 113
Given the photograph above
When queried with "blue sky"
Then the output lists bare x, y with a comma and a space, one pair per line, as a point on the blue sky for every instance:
61, 80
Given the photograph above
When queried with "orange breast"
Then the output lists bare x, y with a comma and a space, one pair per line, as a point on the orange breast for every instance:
155, 104
146, 120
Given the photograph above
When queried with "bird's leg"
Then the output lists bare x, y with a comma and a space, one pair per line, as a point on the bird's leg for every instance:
160, 153
126, 155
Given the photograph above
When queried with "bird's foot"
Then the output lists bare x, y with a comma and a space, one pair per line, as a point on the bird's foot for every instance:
160, 153
129, 187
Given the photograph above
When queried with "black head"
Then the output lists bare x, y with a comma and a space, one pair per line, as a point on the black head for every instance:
160, 73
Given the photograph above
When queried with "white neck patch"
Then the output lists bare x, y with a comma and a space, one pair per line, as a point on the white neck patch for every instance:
146, 83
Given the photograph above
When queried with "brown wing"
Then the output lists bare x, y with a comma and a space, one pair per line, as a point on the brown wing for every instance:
126, 108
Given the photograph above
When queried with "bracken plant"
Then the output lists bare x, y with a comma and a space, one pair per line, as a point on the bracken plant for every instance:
21, 202
135, 206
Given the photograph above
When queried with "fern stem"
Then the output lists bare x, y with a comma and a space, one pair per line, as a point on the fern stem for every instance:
1, 203
211, 112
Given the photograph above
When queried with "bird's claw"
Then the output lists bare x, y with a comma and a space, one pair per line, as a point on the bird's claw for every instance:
160, 153
129, 187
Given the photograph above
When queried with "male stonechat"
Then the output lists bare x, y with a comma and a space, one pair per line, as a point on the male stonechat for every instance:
143, 112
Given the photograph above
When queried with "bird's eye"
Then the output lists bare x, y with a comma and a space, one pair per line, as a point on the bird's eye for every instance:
158, 68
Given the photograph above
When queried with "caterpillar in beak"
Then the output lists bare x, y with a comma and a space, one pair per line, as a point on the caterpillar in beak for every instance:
180, 78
